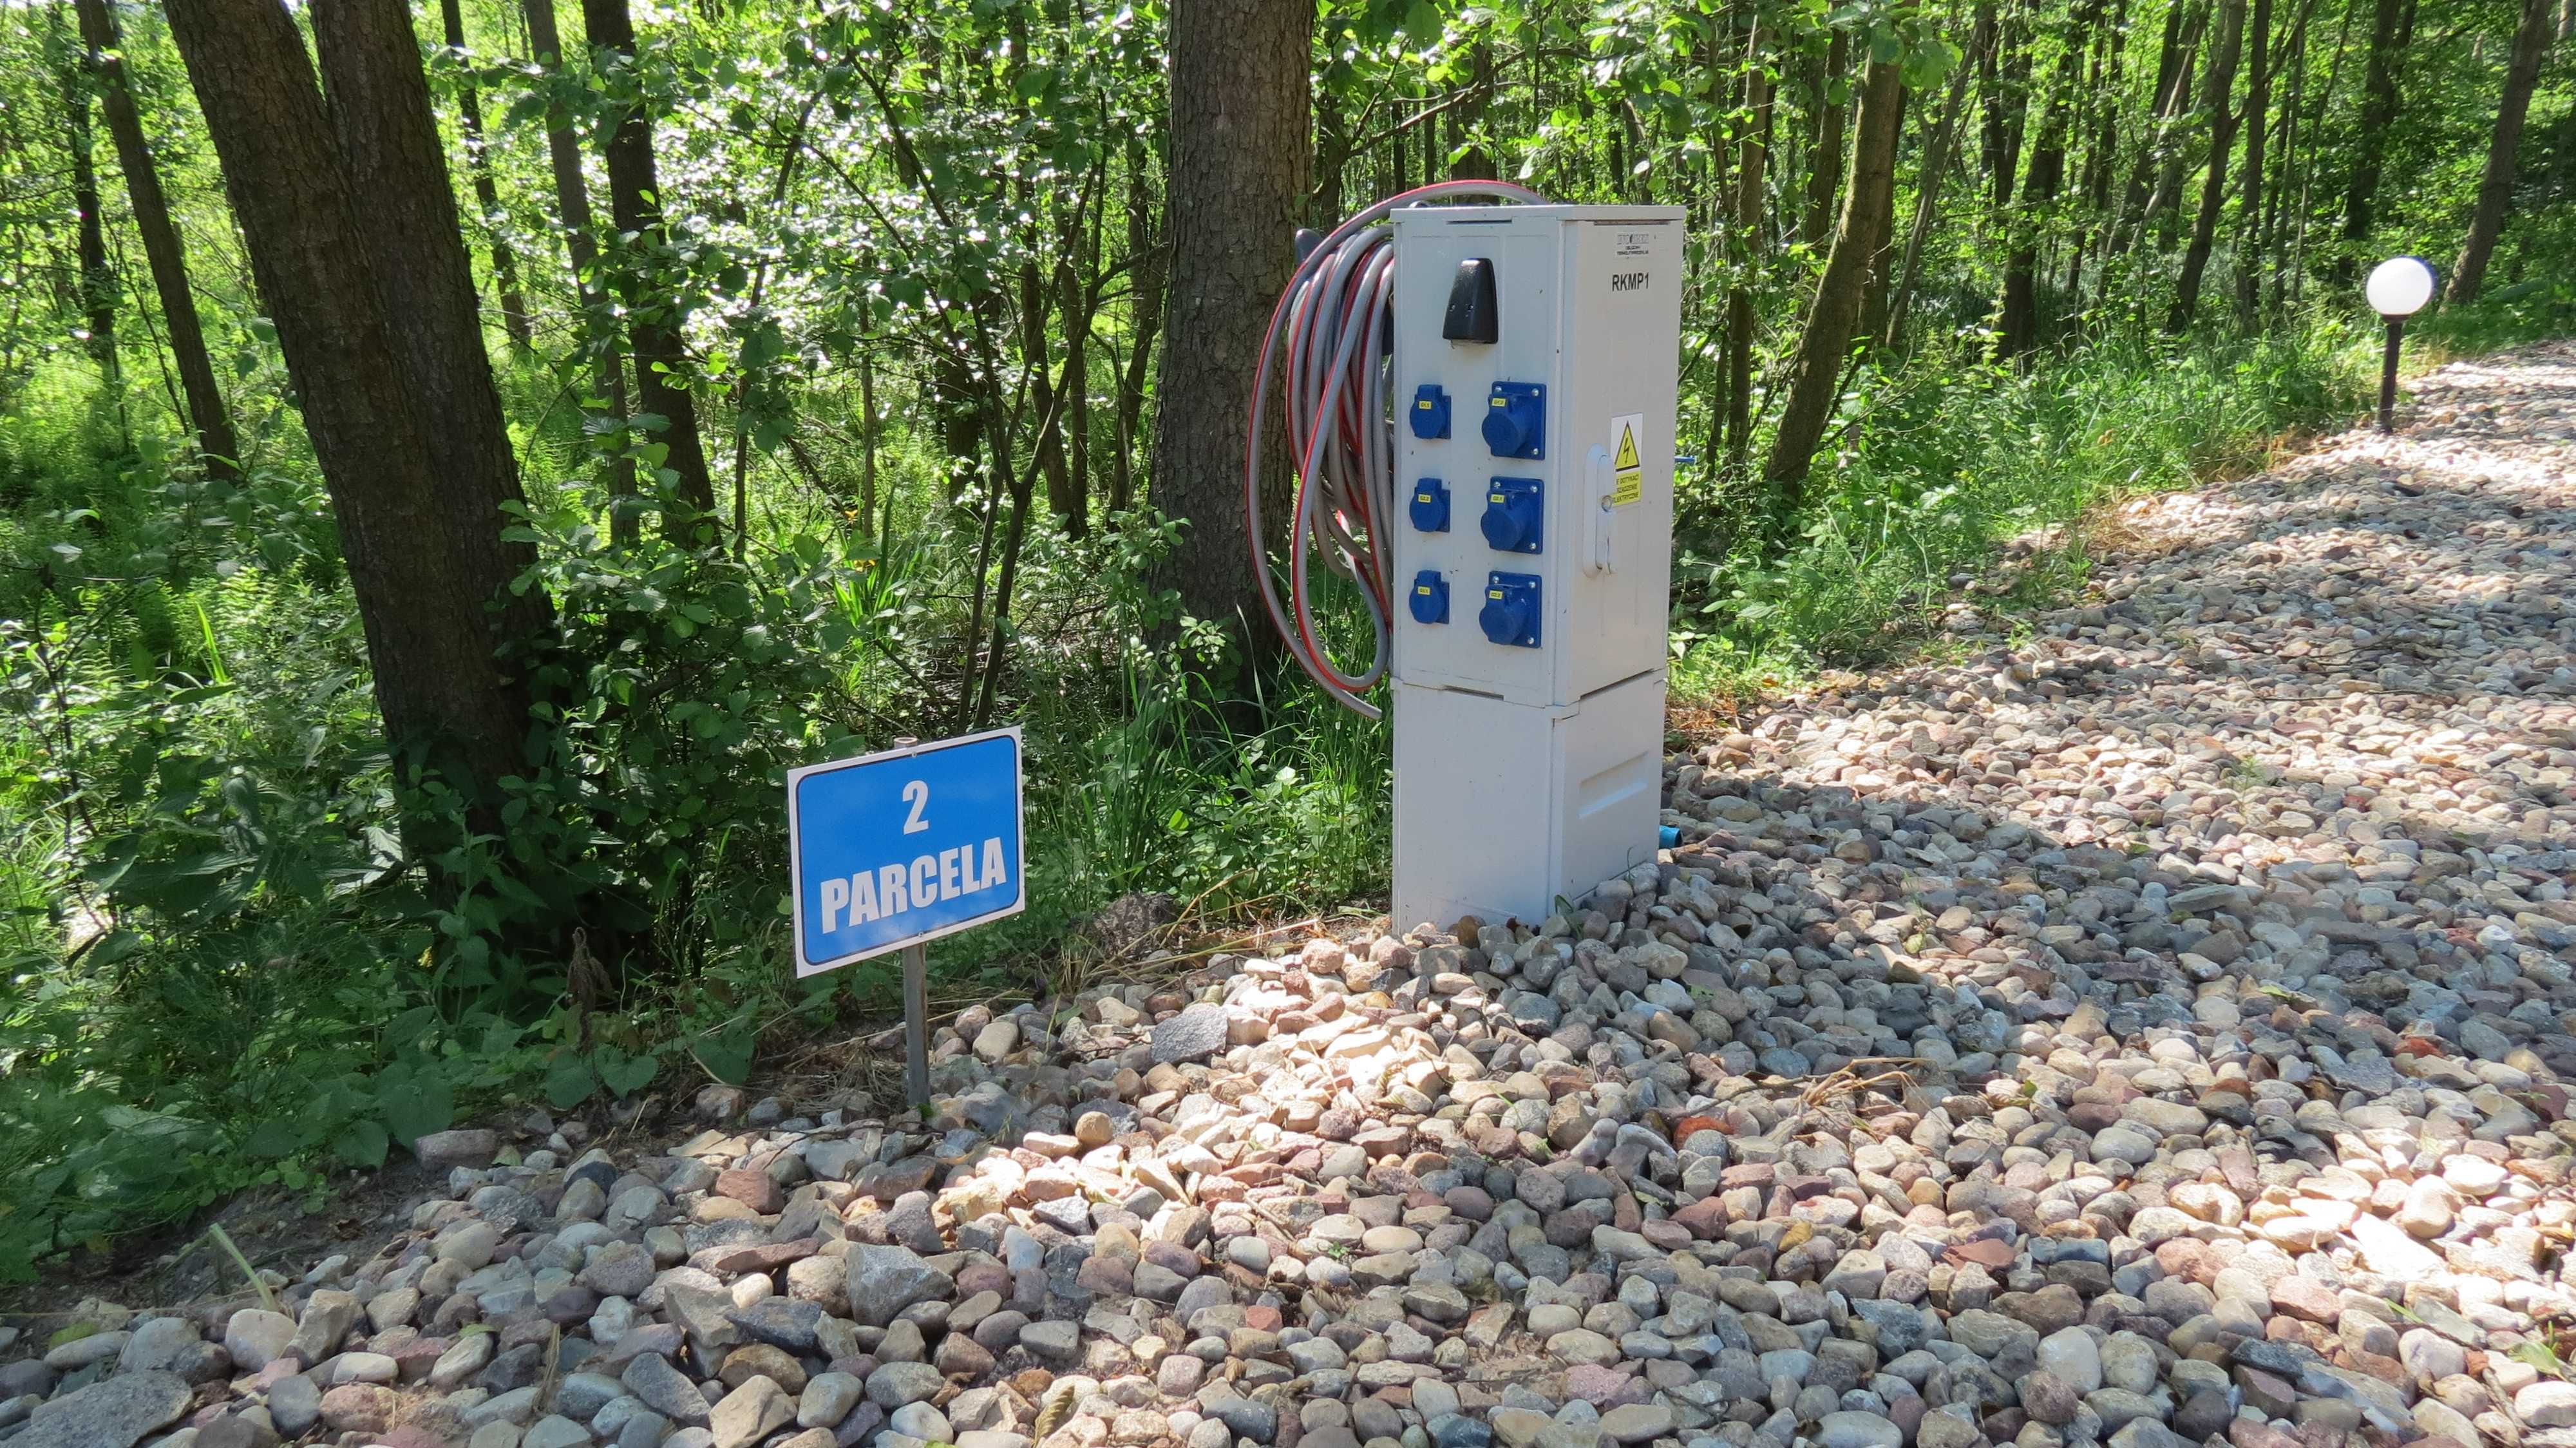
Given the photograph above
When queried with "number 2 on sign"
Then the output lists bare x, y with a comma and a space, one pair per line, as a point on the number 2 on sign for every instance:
917, 794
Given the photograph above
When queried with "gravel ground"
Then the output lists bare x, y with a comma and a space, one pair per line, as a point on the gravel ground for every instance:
2151, 1032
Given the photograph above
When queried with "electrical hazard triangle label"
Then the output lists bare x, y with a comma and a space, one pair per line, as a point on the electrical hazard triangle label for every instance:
1627, 470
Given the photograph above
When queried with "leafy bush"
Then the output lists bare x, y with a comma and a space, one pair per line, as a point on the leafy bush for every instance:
231, 964
1945, 459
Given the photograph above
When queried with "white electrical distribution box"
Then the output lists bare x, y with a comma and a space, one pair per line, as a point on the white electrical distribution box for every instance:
1535, 360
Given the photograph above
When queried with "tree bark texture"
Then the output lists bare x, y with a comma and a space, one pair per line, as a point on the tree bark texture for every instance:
1879, 276
487, 195
96, 281
2392, 29
1927, 205
2169, 61
1753, 150
2495, 189
1238, 181
2222, 139
2017, 331
2249, 210
2102, 92
163, 253
1145, 269
581, 247
2005, 82
1825, 151
1869, 199
2158, 173
419, 600
377, 98
635, 208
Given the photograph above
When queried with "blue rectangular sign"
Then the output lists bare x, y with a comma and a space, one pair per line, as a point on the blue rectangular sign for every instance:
896, 848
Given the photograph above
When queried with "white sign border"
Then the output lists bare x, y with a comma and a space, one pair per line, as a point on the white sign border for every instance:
1019, 840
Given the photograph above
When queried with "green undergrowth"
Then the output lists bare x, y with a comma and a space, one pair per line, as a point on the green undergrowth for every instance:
1946, 463
224, 971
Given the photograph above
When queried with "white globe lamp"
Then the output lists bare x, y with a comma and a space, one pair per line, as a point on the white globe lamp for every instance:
2398, 288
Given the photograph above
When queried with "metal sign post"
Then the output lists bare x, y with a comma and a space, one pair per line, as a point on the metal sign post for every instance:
2388, 373
889, 851
916, 1025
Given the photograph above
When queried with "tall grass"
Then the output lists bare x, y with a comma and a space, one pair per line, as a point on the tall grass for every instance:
1936, 466
196, 644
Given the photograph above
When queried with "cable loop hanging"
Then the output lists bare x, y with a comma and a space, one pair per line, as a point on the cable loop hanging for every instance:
1333, 327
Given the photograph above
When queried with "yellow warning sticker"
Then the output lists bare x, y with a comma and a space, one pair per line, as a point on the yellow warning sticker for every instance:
1627, 468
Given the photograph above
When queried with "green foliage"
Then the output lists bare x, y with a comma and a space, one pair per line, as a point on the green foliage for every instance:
244, 946
1944, 461
227, 969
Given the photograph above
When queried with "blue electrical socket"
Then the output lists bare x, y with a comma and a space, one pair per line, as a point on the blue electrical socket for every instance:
1430, 505
1430, 414
1510, 614
1516, 420
1515, 518
1430, 600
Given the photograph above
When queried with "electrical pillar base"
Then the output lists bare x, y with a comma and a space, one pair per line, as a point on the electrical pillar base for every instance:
1502, 810
1536, 350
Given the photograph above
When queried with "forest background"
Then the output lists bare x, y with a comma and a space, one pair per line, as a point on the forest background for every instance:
453, 461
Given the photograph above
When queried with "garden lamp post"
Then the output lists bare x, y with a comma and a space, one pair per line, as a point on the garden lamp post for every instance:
2398, 288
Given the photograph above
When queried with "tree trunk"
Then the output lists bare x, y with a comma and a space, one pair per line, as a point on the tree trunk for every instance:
2249, 210
1927, 205
2006, 84
1469, 161
1825, 152
448, 707
2288, 195
1752, 153
1238, 182
207, 417
1985, 42
1145, 269
378, 100
867, 438
2171, 85
2103, 89
1879, 275
2162, 211
1077, 272
1333, 156
487, 196
581, 245
2392, 31
1868, 203
2018, 329
2222, 139
1035, 304
653, 324
2495, 190
96, 281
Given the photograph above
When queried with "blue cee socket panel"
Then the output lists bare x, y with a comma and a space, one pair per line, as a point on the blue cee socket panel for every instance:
1515, 518
1430, 599
1516, 420
1430, 505
1430, 414
1510, 614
